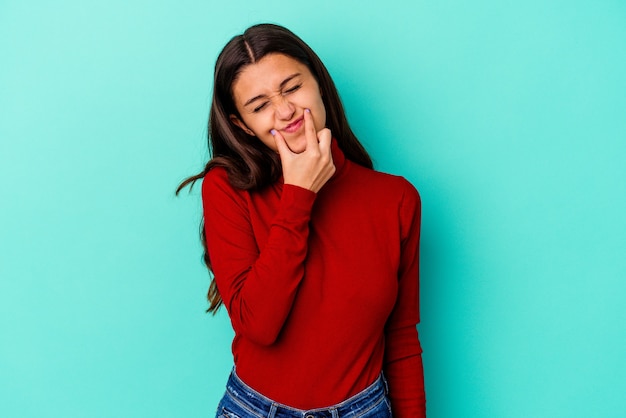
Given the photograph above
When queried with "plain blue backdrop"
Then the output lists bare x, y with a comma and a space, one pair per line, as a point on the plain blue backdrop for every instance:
509, 117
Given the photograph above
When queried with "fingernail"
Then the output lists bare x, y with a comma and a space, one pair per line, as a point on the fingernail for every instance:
273, 131
307, 110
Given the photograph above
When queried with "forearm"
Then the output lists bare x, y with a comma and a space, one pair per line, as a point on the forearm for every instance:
258, 285
405, 374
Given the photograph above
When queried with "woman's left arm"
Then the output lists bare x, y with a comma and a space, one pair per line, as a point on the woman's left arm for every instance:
403, 353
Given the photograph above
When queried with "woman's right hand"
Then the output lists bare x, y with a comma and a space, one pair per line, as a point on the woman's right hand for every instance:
314, 166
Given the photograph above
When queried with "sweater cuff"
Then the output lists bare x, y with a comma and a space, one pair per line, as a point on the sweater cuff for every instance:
296, 201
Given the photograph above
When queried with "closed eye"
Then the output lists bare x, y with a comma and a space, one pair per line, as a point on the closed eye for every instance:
264, 104
260, 107
292, 89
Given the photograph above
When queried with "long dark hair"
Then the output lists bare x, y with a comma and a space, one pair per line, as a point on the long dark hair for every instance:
250, 164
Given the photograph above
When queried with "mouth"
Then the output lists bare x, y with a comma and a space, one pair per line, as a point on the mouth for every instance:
294, 126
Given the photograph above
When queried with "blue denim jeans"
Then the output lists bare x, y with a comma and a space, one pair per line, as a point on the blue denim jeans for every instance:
241, 401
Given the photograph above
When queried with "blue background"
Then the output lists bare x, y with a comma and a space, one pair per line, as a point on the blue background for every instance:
509, 117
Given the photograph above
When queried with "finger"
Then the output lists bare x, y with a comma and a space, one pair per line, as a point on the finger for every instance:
325, 138
281, 144
309, 129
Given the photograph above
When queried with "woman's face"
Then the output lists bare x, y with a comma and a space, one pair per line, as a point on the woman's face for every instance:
272, 94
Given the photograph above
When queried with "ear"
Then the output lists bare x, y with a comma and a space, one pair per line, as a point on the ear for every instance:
238, 122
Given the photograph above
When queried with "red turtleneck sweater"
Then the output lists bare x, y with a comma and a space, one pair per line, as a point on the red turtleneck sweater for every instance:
321, 289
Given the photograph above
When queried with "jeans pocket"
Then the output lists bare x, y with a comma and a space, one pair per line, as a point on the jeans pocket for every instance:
381, 409
225, 413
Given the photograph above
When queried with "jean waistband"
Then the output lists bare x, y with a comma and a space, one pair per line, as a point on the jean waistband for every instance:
265, 407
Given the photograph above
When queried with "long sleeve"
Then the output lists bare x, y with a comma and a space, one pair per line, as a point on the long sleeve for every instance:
403, 360
257, 285
321, 288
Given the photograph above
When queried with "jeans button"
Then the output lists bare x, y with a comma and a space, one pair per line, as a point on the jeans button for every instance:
309, 416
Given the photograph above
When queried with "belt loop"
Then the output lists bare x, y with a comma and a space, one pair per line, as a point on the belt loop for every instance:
334, 413
272, 412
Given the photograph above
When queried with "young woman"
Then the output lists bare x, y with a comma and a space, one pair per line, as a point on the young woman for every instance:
314, 254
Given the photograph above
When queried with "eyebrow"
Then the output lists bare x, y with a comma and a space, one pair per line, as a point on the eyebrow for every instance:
282, 85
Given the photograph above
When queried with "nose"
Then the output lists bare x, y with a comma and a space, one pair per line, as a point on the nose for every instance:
284, 109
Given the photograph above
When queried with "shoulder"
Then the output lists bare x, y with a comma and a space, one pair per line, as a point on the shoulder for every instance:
216, 175
216, 187
385, 185
217, 179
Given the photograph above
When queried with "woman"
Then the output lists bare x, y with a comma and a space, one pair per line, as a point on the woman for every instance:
314, 254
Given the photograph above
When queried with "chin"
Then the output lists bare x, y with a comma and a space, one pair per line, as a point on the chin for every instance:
298, 146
